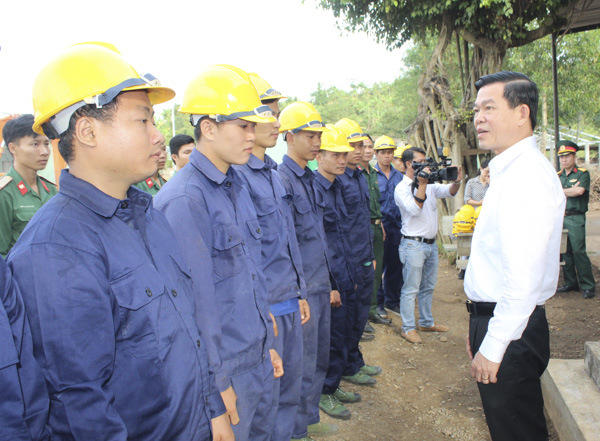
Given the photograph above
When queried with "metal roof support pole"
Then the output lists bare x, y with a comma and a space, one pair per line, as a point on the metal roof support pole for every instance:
553, 156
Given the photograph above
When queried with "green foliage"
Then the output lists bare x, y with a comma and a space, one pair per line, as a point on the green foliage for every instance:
395, 22
164, 123
578, 58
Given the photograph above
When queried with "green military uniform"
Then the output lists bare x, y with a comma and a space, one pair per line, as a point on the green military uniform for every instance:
18, 204
577, 263
376, 226
151, 186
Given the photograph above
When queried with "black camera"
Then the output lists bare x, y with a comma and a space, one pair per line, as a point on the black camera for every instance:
438, 171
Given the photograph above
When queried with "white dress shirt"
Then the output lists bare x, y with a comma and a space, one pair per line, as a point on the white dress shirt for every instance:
515, 249
417, 221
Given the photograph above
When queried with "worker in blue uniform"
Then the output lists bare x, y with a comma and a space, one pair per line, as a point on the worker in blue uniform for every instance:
388, 177
355, 192
215, 222
332, 159
281, 261
301, 127
24, 405
107, 292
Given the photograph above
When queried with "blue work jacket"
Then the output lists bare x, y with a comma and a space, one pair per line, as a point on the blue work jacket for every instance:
24, 402
355, 192
335, 222
308, 223
281, 260
390, 213
215, 223
107, 294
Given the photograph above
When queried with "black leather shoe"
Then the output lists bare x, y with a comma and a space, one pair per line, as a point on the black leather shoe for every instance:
566, 288
588, 294
367, 337
379, 320
369, 329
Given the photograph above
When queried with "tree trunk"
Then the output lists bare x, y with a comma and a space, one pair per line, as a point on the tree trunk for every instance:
439, 124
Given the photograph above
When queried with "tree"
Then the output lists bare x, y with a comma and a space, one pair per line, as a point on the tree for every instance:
164, 123
488, 28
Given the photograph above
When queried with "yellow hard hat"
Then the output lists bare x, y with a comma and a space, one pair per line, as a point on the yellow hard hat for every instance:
463, 220
264, 89
86, 73
476, 215
334, 140
384, 142
351, 129
224, 93
300, 115
398, 152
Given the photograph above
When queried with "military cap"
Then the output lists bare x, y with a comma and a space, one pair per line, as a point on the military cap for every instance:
566, 147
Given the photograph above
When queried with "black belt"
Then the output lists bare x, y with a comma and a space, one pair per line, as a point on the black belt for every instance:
420, 239
376, 221
486, 309
572, 212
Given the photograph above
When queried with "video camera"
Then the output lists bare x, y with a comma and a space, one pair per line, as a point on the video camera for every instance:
436, 172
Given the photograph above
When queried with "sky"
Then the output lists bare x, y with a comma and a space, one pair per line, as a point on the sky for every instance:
294, 45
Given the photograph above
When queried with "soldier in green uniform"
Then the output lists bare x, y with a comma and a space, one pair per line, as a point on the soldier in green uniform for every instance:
22, 191
576, 184
156, 181
378, 234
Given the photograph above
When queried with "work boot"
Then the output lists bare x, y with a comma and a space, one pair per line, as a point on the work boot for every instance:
369, 329
360, 379
306, 438
566, 288
329, 404
346, 397
379, 320
322, 429
394, 309
382, 312
367, 337
588, 293
370, 370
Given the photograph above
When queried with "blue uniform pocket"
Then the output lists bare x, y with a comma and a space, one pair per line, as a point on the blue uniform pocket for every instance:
227, 251
139, 296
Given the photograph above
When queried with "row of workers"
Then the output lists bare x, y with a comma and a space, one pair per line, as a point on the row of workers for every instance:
231, 305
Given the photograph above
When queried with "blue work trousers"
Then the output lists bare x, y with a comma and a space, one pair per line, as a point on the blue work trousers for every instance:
315, 334
358, 319
420, 266
338, 348
254, 389
390, 288
287, 389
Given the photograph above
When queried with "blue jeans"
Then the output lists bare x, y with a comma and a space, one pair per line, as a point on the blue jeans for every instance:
419, 271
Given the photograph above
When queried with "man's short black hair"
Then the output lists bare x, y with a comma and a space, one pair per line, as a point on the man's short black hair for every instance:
104, 114
18, 128
518, 89
409, 154
177, 141
369, 136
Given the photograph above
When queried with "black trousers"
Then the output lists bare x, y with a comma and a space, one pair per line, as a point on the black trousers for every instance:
514, 406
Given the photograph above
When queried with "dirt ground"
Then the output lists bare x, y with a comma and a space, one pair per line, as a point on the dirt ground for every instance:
426, 392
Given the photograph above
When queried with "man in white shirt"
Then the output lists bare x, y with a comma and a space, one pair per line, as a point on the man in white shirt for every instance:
514, 263
418, 248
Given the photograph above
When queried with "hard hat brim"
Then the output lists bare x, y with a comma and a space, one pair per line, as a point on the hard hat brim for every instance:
360, 138
338, 149
259, 119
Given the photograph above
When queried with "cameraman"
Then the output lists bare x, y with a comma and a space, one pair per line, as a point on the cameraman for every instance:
418, 249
